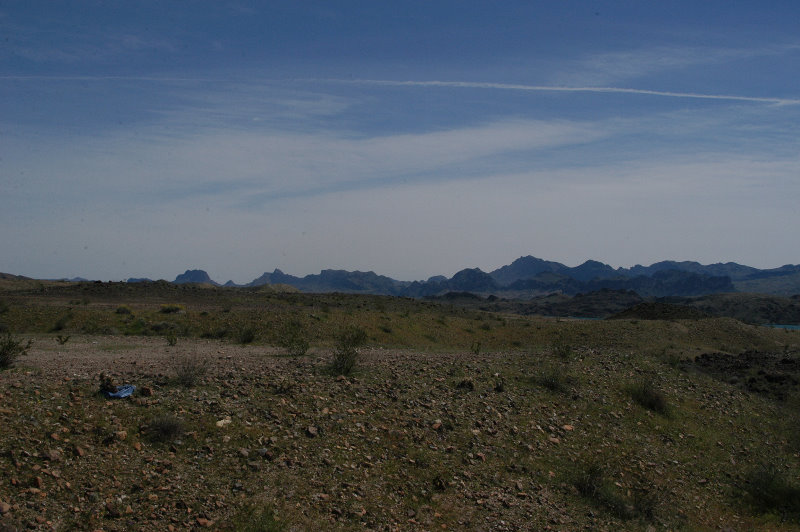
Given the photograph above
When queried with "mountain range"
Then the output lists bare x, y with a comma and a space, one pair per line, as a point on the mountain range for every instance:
529, 276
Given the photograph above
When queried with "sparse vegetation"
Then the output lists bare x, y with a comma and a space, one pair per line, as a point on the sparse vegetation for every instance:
770, 490
11, 350
189, 370
61, 339
345, 352
434, 431
171, 338
645, 393
171, 309
164, 428
254, 518
294, 338
61, 323
246, 335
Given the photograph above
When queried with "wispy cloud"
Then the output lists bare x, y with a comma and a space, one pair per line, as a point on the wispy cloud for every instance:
547, 88
614, 67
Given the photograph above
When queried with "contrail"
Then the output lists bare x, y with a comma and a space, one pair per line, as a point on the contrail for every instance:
456, 84
547, 88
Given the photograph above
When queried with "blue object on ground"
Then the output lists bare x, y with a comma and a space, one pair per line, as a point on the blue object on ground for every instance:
122, 391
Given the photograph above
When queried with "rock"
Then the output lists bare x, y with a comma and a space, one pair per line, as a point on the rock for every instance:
312, 431
205, 523
225, 421
52, 455
146, 391
4, 507
568, 427
244, 453
121, 435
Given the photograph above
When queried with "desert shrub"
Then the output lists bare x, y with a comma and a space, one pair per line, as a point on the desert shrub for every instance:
61, 323
61, 339
217, 334
770, 490
164, 428
345, 352
246, 335
648, 396
593, 483
189, 370
170, 309
11, 350
258, 519
3, 307
294, 338
123, 309
554, 378
171, 338
162, 327
562, 349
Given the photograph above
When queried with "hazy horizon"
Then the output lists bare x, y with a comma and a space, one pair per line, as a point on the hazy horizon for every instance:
412, 140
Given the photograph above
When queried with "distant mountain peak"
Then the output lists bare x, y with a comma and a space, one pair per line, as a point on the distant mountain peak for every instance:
194, 276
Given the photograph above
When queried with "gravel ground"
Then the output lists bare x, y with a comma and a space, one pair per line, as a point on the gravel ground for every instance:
411, 441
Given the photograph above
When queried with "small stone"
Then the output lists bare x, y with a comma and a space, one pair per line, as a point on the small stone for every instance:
146, 391
244, 453
137, 446
121, 435
55, 436
205, 523
53, 455
225, 421
4, 507
312, 431
553, 439
79, 451
568, 427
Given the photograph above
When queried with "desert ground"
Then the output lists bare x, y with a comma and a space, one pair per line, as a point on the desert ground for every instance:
450, 419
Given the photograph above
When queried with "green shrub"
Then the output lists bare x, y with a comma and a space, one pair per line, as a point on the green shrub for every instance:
294, 338
246, 335
258, 519
345, 352
554, 378
172, 338
592, 482
648, 396
171, 309
164, 428
10, 350
562, 349
189, 370
124, 309
769, 490
61, 323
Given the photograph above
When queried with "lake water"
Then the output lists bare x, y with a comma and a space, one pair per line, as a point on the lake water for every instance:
779, 326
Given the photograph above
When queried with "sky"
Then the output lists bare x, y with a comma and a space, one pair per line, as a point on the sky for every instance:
413, 138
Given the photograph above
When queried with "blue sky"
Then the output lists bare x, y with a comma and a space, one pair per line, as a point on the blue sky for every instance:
139, 139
